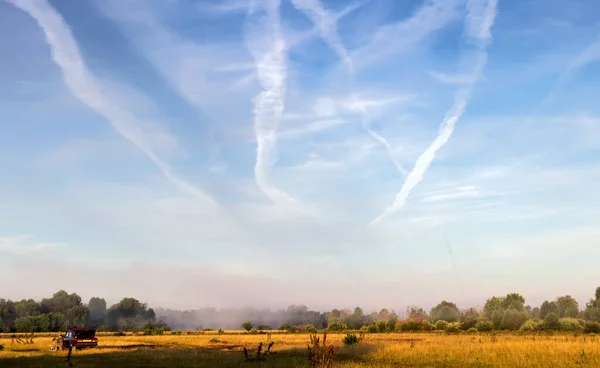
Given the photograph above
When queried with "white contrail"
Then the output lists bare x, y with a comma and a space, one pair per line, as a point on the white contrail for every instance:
268, 49
326, 23
479, 21
366, 124
65, 53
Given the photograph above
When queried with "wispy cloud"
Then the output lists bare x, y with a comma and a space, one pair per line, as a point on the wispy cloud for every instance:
269, 51
326, 23
480, 18
80, 81
19, 245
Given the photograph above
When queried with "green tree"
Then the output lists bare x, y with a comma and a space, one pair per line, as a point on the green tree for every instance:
97, 307
27, 307
491, 305
513, 301
567, 306
446, 311
248, 325
61, 302
548, 307
355, 320
551, 322
469, 318
513, 319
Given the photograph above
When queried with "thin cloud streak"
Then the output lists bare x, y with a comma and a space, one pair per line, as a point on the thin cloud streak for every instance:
65, 53
326, 23
269, 52
480, 19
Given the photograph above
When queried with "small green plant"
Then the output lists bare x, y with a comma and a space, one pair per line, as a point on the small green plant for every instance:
220, 331
320, 355
351, 339
248, 325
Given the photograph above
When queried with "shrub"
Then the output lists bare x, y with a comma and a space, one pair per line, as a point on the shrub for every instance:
337, 326
381, 326
571, 325
177, 332
551, 322
310, 329
484, 326
248, 325
410, 325
376, 328
452, 327
351, 339
472, 330
591, 327
253, 331
512, 319
220, 331
531, 325
441, 325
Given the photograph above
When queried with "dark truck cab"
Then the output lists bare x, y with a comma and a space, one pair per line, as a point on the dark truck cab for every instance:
79, 337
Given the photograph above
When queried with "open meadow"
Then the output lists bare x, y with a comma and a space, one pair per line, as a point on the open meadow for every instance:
290, 350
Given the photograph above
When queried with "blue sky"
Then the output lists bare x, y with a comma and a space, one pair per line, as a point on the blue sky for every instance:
336, 153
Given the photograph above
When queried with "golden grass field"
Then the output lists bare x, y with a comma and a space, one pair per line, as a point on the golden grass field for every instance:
376, 350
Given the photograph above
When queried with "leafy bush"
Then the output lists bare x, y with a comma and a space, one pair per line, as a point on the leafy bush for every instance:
351, 339
472, 330
551, 322
571, 325
337, 326
248, 325
376, 328
220, 331
513, 319
253, 331
484, 326
382, 326
452, 327
309, 328
440, 325
591, 327
531, 325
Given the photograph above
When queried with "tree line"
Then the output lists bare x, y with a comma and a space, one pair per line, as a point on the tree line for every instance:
64, 310
508, 312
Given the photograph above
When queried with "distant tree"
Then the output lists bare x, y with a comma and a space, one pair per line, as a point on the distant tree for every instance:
247, 325
567, 306
355, 320
535, 312
491, 305
383, 315
416, 313
97, 307
61, 301
8, 314
548, 307
469, 318
513, 301
513, 319
27, 308
76, 315
446, 311
551, 322
592, 308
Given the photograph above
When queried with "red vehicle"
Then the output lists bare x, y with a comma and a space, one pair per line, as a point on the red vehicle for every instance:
79, 337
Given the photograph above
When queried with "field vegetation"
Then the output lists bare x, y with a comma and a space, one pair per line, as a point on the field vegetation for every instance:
504, 333
211, 349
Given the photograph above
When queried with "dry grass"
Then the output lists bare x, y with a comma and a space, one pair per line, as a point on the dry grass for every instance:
376, 350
